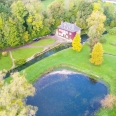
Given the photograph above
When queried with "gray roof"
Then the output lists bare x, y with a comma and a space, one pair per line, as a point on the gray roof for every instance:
69, 27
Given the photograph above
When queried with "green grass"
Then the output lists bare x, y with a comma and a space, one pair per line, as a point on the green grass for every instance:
44, 42
25, 52
80, 61
5, 63
46, 3
108, 48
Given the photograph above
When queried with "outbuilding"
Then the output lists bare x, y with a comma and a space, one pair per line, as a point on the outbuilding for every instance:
68, 30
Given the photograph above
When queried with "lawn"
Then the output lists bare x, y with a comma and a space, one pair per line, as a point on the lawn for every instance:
25, 52
105, 72
5, 63
44, 42
110, 45
80, 61
46, 3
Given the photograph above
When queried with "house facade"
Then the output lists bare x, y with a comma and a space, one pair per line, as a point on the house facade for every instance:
68, 30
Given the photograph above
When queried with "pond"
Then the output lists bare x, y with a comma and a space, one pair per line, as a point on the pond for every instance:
67, 93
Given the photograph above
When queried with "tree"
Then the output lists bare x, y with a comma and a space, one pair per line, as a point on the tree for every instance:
19, 10
97, 7
76, 45
11, 33
84, 10
96, 27
97, 54
97, 19
13, 96
70, 10
56, 12
34, 18
109, 10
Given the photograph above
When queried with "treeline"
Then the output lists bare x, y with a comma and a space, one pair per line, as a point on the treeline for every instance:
23, 20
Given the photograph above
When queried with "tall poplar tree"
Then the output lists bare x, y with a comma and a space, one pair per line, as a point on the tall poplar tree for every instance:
76, 43
97, 54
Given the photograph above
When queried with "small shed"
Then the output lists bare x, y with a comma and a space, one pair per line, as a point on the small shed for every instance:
68, 30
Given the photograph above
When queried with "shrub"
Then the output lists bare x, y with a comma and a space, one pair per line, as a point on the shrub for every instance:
112, 31
109, 101
102, 39
4, 54
35, 55
20, 61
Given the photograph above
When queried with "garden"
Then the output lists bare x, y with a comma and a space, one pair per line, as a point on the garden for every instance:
94, 59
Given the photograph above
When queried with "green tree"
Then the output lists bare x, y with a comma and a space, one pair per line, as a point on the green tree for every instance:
56, 12
34, 19
11, 33
19, 10
13, 96
70, 10
109, 10
84, 10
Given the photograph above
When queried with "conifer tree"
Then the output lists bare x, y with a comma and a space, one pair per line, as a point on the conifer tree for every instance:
97, 54
76, 45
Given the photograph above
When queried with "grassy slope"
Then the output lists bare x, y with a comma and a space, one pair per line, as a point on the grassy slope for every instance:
5, 63
79, 60
44, 42
106, 71
25, 52
107, 46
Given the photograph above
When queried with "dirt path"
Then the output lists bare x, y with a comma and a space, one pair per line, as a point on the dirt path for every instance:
13, 64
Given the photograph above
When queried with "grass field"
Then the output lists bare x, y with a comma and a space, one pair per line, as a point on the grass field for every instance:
110, 45
46, 3
105, 72
25, 52
5, 63
80, 61
44, 42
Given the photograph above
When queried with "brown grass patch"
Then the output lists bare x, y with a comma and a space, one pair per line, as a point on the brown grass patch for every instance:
109, 101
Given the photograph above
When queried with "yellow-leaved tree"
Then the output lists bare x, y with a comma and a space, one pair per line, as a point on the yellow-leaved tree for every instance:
13, 96
76, 43
97, 54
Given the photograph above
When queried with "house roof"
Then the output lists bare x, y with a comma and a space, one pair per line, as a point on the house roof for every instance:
69, 27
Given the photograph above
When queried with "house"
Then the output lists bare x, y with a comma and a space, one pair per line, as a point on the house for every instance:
68, 30
112, 1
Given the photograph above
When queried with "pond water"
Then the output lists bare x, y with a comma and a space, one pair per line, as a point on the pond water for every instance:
67, 93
